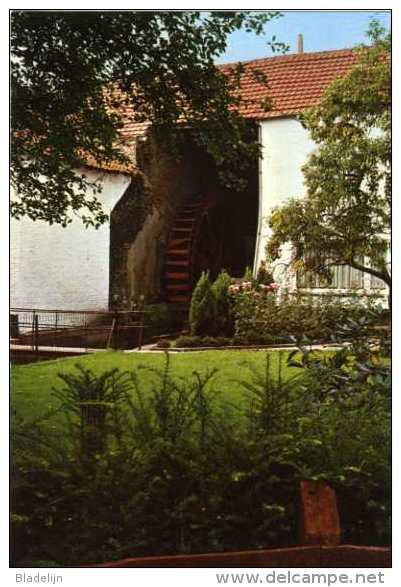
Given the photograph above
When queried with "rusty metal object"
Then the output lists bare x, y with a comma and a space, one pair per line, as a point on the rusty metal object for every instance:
319, 519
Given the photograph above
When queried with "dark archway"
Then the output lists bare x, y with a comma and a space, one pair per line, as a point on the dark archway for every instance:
213, 230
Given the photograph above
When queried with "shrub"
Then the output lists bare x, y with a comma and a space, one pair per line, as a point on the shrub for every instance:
256, 339
223, 341
188, 341
215, 341
202, 313
91, 397
224, 325
159, 319
264, 275
163, 344
260, 313
203, 341
350, 422
249, 278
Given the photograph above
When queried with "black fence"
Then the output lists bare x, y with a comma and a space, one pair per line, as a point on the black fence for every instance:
81, 329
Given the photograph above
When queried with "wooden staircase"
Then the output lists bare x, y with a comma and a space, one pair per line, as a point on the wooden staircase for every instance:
178, 274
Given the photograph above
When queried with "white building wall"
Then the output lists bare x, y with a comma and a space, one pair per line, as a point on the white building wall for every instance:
64, 268
286, 146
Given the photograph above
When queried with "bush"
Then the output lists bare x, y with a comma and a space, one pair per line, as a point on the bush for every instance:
350, 416
261, 313
202, 312
264, 276
216, 341
188, 341
159, 319
163, 344
224, 325
256, 339
203, 341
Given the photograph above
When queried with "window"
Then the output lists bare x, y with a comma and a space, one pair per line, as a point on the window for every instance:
343, 277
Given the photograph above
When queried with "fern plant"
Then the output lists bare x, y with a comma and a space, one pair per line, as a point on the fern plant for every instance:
88, 399
271, 396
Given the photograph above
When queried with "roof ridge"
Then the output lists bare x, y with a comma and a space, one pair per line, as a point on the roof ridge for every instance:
292, 56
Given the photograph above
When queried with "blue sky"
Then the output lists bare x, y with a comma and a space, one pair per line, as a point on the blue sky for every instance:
321, 29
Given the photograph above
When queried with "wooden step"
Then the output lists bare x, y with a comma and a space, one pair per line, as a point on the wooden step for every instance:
171, 275
191, 204
179, 252
179, 287
178, 241
178, 263
179, 298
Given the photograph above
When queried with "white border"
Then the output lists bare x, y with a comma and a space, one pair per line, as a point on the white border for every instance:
184, 577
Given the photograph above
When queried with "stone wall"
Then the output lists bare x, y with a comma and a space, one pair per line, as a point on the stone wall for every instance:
142, 219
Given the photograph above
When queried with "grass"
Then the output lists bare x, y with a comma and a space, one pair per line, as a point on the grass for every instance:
31, 384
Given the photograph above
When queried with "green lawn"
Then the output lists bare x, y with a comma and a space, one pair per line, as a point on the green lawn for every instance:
31, 384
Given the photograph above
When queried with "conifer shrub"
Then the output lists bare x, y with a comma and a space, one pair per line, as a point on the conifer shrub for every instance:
224, 320
202, 312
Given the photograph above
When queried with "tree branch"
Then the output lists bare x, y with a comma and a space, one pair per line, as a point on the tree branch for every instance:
383, 275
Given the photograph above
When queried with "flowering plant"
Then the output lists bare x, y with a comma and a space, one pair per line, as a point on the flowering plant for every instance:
254, 289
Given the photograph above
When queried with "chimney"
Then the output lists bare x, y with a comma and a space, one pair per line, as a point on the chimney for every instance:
300, 43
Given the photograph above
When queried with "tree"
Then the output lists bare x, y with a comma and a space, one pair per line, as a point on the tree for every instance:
344, 219
75, 75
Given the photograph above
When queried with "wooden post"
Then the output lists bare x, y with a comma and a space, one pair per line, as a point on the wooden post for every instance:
110, 338
33, 330
140, 330
319, 520
116, 337
141, 307
14, 326
36, 334
55, 337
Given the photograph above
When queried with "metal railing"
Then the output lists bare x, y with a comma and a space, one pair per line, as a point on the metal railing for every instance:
82, 329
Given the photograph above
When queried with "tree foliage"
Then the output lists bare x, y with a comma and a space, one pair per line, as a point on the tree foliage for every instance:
344, 219
76, 74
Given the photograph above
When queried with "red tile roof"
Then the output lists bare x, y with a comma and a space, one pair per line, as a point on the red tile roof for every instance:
294, 82
132, 129
111, 166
